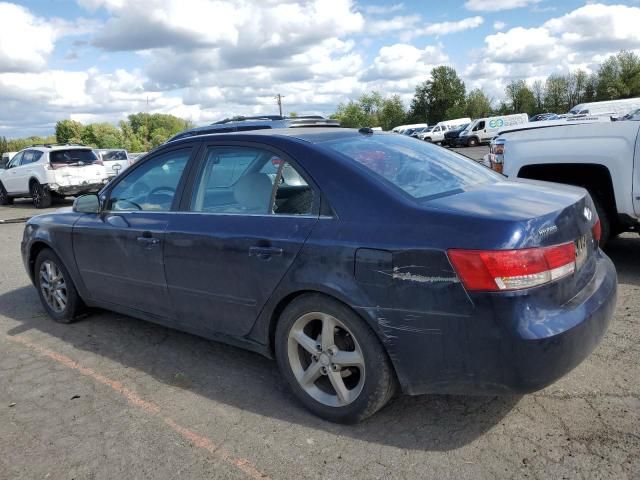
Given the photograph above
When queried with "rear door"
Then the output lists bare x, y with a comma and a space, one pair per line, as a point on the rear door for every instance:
246, 218
119, 252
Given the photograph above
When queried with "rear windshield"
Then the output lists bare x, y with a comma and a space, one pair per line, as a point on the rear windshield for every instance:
73, 157
114, 155
418, 168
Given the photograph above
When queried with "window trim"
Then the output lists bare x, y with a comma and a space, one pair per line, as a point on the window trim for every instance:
199, 164
105, 194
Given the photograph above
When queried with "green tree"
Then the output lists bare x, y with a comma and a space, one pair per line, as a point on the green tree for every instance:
538, 95
392, 112
555, 96
478, 105
351, 115
619, 77
441, 95
520, 97
69, 131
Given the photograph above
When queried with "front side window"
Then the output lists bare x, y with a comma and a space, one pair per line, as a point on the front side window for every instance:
251, 181
15, 161
152, 186
417, 168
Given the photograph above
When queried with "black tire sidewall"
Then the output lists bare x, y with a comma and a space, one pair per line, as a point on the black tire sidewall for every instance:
472, 142
74, 303
45, 195
380, 383
4, 196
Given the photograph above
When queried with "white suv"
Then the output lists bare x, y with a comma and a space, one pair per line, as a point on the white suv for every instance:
43, 172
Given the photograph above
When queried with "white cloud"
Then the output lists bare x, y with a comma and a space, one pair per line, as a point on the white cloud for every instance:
383, 9
395, 24
599, 27
499, 25
444, 28
186, 24
401, 61
497, 5
26, 41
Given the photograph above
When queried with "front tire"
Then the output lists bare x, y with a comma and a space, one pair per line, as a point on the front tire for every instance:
472, 142
40, 194
5, 199
57, 292
332, 360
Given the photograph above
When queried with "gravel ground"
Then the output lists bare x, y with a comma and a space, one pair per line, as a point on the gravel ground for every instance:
114, 397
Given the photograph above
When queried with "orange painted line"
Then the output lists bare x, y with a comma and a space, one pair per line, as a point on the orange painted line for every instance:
136, 400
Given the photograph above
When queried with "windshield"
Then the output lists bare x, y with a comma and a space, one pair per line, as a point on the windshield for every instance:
73, 157
417, 168
111, 155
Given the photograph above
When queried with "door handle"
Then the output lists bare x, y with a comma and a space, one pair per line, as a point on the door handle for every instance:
265, 252
148, 241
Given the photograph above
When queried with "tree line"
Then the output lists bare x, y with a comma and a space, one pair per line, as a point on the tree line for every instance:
444, 96
141, 132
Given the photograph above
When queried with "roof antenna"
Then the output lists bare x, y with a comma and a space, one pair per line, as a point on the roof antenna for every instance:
366, 131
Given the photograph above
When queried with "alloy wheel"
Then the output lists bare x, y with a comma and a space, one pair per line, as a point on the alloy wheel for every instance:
53, 286
326, 359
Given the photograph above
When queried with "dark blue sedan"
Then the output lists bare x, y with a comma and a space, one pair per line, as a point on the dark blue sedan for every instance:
365, 262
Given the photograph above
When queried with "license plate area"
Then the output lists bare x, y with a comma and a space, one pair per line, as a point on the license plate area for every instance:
582, 250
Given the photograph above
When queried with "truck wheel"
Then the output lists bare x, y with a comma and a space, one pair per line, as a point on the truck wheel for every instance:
472, 142
41, 195
427, 139
605, 221
5, 199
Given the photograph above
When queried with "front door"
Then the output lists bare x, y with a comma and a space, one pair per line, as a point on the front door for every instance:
248, 216
11, 174
119, 252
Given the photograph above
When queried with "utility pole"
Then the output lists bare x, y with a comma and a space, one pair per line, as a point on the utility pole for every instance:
279, 98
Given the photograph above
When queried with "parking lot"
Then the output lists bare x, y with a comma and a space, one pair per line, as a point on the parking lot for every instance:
114, 397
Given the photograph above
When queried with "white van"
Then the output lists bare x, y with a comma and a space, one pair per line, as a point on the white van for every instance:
614, 108
482, 130
436, 134
402, 128
6, 158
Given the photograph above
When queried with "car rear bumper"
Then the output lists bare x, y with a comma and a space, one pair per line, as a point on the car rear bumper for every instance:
495, 352
78, 189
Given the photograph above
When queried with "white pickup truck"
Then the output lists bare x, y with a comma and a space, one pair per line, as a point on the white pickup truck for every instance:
604, 158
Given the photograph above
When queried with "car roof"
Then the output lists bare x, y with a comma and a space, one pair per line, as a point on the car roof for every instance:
310, 134
52, 147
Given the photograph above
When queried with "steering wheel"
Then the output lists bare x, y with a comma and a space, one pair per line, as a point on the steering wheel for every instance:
171, 190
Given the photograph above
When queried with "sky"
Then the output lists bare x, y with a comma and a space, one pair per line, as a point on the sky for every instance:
204, 60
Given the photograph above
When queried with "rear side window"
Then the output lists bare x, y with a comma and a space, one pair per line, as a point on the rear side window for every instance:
73, 157
417, 168
114, 155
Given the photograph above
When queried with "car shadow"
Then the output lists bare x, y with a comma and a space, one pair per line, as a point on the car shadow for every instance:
248, 381
625, 253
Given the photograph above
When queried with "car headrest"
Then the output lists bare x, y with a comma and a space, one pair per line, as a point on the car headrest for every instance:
253, 192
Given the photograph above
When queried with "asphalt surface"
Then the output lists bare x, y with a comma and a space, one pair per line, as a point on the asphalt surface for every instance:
115, 397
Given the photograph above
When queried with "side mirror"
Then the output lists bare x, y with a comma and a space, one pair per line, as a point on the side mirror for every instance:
89, 203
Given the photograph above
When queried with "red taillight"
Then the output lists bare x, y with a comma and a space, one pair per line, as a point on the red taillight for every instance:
597, 230
496, 270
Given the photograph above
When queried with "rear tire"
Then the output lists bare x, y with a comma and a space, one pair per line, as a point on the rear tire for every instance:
5, 199
57, 292
345, 378
40, 194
